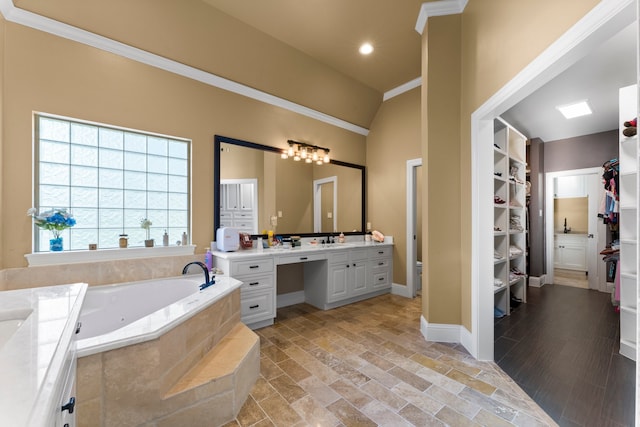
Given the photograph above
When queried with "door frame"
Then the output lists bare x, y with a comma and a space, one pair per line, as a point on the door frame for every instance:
592, 244
317, 203
597, 26
412, 251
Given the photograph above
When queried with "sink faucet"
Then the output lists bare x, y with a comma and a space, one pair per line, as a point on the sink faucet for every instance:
566, 230
207, 281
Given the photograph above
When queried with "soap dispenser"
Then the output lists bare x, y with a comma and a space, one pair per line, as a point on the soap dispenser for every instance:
165, 239
208, 259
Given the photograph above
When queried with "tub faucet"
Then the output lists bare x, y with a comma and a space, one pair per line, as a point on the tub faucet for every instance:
207, 281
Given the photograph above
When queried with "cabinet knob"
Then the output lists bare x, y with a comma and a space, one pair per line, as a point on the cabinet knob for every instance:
69, 406
78, 327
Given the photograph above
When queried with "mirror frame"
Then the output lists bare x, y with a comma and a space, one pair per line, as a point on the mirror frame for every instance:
219, 139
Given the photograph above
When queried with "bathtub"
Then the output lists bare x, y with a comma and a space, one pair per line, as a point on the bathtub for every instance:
123, 314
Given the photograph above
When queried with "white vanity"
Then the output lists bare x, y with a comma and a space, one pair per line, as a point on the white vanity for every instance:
334, 275
570, 251
38, 355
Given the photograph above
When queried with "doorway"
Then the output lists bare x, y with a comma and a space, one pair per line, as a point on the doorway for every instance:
573, 236
596, 27
414, 228
325, 205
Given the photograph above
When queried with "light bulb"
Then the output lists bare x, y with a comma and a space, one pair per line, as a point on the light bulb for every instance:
326, 157
303, 154
284, 155
319, 162
296, 157
290, 151
308, 160
315, 155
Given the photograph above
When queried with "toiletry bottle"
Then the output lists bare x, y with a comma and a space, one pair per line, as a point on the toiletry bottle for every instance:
123, 241
184, 238
165, 239
341, 238
270, 237
208, 259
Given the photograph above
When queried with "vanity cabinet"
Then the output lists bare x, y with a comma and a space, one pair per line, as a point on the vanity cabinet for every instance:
258, 290
347, 275
333, 276
570, 252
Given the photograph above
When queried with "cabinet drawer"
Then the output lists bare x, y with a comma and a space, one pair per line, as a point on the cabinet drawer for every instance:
252, 283
252, 267
293, 259
380, 280
257, 306
226, 214
247, 216
381, 252
379, 263
339, 257
359, 254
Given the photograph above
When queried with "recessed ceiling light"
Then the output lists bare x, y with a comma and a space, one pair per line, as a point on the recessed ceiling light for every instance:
366, 48
576, 109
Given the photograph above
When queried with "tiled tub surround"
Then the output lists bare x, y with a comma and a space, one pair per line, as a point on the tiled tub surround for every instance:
37, 353
201, 368
95, 273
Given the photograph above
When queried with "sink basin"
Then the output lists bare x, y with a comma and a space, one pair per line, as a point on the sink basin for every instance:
10, 322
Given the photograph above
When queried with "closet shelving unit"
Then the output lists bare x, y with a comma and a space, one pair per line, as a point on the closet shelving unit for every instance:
509, 214
628, 225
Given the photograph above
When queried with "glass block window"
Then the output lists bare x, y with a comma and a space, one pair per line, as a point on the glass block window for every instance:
110, 179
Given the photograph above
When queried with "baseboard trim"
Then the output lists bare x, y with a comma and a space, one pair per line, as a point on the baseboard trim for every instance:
447, 333
402, 290
537, 282
292, 298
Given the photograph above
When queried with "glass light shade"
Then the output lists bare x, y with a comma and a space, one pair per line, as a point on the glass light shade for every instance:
326, 158
303, 153
315, 155
319, 162
284, 155
290, 151
296, 157
308, 160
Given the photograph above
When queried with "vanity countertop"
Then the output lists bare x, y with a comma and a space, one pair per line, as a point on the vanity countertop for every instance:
37, 327
304, 249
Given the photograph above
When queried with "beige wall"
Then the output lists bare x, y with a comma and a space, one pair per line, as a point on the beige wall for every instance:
393, 139
193, 33
498, 38
62, 77
575, 210
441, 274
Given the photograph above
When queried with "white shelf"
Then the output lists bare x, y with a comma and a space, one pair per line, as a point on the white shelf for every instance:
628, 191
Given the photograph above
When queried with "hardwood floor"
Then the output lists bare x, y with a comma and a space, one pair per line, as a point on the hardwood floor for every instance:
562, 349
577, 279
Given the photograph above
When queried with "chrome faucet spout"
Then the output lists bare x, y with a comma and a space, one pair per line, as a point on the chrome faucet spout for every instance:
207, 281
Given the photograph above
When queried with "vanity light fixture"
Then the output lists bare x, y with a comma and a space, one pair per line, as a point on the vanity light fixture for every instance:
310, 153
575, 109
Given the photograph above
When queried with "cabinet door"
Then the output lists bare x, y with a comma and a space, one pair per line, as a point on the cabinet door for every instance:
338, 280
246, 197
232, 198
574, 257
358, 281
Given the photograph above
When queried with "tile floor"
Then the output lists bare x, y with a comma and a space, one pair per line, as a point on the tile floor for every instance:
367, 364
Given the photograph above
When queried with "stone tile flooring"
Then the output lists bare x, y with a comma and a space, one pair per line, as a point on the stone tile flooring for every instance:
367, 364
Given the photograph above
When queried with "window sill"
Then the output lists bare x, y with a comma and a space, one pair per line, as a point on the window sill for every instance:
75, 257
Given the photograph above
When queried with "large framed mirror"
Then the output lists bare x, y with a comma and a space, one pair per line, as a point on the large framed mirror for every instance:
256, 190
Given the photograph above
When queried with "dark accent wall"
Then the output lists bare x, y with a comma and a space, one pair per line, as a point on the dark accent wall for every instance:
581, 152
536, 205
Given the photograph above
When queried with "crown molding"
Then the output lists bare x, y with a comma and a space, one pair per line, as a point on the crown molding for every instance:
41, 23
402, 88
438, 8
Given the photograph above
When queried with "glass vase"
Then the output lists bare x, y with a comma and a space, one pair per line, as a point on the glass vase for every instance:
55, 244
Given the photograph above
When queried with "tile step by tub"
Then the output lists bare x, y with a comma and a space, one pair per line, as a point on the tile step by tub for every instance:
228, 358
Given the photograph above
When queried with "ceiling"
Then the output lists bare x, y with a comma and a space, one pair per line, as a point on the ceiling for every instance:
331, 31
596, 78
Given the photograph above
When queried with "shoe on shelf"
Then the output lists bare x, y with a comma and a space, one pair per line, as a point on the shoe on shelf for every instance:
630, 123
630, 131
497, 313
498, 201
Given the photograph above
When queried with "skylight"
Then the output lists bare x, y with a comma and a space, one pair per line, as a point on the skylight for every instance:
576, 109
